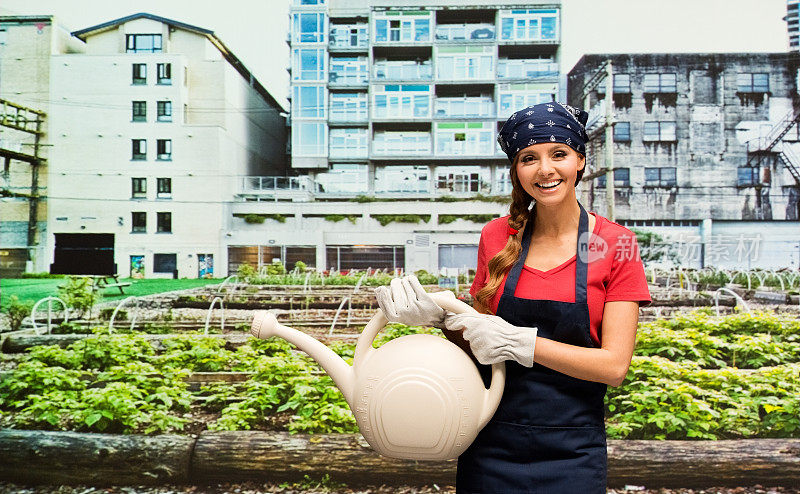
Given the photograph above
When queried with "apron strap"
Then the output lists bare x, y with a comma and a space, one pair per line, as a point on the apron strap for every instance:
581, 268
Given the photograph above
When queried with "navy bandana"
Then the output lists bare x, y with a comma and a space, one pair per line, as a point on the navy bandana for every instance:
545, 122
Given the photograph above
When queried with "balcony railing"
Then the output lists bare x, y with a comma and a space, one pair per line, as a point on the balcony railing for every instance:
465, 107
303, 189
348, 78
405, 71
405, 145
341, 37
526, 69
462, 32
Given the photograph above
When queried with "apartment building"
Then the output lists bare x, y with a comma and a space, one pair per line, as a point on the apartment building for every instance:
705, 146
150, 123
394, 111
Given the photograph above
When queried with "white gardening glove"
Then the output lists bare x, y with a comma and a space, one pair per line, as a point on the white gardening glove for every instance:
494, 340
405, 301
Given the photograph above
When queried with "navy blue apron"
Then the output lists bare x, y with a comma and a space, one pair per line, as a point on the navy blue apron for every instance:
548, 434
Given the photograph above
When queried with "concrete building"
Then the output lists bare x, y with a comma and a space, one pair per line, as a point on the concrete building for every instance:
397, 102
151, 122
705, 146
26, 46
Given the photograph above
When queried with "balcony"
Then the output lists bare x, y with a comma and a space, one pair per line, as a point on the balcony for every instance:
526, 69
401, 143
411, 185
349, 37
460, 107
347, 79
402, 71
465, 32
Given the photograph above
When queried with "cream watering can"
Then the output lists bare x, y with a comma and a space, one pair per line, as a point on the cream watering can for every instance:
416, 397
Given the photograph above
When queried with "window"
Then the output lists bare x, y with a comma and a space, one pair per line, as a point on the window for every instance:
164, 149
622, 132
622, 178
164, 187
465, 62
659, 131
752, 83
309, 27
309, 102
413, 70
309, 139
466, 106
348, 107
349, 143
470, 139
349, 35
402, 178
403, 142
165, 263
344, 178
139, 73
527, 68
349, 70
139, 111
402, 101
139, 149
516, 96
138, 222
308, 64
139, 187
462, 179
164, 73
747, 175
622, 85
529, 24
404, 27
660, 83
164, 111
164, 222
143, 43
660, 177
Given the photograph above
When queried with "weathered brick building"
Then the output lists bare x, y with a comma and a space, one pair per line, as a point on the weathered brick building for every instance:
701, 141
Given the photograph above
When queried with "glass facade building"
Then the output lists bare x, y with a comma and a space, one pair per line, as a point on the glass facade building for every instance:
405, 99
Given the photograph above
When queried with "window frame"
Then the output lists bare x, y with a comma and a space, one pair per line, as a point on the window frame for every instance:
138, 187
138, 111
164, 222
166, 115
662, 87
131, 41
140, 70
622, 136
164, 145
751, 87
647, 133
166, 79
164, 187
623, 181
660, 180
138, 221
138, 154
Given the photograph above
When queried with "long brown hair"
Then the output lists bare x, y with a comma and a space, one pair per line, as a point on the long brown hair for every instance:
501, 263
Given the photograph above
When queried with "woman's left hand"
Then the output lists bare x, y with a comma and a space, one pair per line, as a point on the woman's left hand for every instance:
494, 340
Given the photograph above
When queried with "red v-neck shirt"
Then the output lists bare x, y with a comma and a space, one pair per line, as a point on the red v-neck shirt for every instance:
614, 273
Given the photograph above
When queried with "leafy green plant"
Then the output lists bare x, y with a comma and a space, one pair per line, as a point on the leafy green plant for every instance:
276, 268
246, 272
385, 219
335, 218
79, 294
17, 311
475, 218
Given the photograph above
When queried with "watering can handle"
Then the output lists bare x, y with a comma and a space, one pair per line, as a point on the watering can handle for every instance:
448, 301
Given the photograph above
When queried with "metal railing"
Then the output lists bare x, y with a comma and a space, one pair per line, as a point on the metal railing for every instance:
526, 69
462, 32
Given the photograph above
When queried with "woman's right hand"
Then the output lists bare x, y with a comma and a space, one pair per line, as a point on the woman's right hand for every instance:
406, 302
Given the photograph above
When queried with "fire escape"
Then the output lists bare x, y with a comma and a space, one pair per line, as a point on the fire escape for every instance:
762, 149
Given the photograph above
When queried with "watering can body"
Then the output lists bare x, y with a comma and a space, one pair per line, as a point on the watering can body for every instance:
416, 397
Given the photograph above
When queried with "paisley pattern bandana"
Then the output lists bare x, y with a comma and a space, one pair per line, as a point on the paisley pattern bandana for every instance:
545, 122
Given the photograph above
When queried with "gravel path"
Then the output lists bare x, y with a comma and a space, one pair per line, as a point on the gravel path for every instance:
259, 488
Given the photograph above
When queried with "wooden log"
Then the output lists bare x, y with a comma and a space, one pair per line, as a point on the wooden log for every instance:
702, 464
39, 457
278, 456
43, 457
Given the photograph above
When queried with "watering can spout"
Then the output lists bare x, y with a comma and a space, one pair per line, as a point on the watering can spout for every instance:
265, 325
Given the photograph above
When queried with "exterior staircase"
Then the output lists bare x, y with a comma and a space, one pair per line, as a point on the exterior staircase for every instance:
761, 148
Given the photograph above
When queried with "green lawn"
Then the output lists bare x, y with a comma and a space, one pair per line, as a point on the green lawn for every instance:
32, 289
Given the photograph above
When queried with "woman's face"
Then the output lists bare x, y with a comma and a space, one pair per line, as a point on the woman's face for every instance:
550, 163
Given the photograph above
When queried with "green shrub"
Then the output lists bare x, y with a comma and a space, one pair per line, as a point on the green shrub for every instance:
78, 294
17, 312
